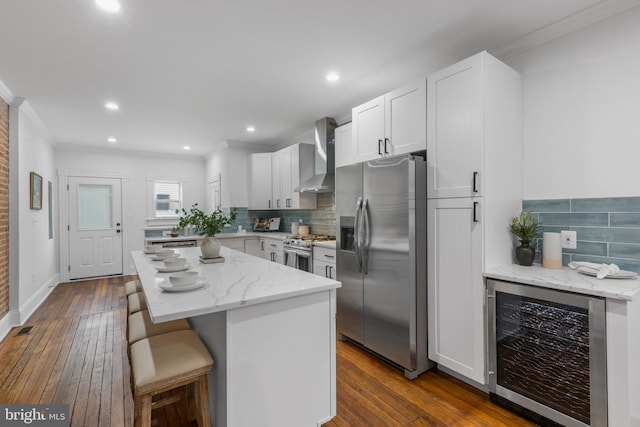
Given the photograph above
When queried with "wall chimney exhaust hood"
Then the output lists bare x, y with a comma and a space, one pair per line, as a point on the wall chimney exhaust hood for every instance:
324, 179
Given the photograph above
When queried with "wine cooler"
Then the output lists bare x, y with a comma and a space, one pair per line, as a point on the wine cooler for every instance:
547, 354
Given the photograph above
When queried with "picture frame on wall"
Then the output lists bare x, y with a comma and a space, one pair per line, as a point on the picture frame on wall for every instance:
35, 197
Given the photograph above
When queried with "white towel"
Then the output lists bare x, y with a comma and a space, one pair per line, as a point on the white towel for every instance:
604, 270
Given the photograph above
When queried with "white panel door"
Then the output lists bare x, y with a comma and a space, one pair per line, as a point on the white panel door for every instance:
368, 129
95, 231
406, 119
455, 130
455, 286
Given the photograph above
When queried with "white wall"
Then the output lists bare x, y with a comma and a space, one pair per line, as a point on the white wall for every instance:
581, 110
135, 168
37, 254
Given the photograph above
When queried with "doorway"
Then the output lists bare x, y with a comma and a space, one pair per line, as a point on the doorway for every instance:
92, 235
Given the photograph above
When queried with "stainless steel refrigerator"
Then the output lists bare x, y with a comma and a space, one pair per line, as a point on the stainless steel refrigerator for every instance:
381, 259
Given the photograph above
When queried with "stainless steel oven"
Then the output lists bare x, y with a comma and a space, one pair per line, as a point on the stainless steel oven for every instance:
300, 258
547, 354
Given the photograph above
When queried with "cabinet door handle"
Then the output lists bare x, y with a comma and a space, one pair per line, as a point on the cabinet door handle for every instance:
288, 203
326, 271
269, 204
475, 182
278, 203
262, 246
386, 141
329, 256
380, 147
475, 211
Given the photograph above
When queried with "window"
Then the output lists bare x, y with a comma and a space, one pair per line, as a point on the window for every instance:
167, 197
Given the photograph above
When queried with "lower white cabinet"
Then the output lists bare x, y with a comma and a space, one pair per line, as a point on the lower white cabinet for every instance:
249, 245
271, 249
456, 289
324, 262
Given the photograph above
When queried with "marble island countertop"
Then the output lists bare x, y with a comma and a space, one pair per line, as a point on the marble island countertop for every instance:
567, 279
240, 280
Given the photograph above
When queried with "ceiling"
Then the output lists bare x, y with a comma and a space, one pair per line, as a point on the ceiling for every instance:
199, 72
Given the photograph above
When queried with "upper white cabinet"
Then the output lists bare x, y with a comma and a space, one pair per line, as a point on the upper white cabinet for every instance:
344, 146
296, 166
273, 178
473, 188
259, 190
391, 124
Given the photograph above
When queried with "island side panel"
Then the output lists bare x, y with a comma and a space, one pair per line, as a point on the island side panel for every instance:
281, 362
212, 330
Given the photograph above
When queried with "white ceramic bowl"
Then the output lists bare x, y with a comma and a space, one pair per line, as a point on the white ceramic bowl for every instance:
183, 278
164, 253
173, 262
150, 249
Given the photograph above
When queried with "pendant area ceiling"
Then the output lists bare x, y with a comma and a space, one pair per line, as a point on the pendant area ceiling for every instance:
199, 72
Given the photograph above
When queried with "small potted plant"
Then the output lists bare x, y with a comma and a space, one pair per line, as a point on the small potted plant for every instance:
209, 225
526, 228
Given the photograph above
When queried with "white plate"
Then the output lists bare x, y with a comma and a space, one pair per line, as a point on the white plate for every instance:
168, 287
164, 269
149, 252
622, 274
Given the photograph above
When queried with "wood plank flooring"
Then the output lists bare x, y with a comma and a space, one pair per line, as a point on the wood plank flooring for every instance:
76, 354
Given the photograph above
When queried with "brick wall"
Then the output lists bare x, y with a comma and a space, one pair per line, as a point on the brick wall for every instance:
4, 208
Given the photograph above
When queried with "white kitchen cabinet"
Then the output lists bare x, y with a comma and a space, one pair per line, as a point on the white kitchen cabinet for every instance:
324, 262
473, 189
392, 124
296, 165
260, 181
249, 245
456, 291
344, 145
273, 178
271, 249
276, 172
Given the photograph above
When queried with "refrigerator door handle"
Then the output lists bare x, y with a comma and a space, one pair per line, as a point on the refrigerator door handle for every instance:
357, 232
365, 236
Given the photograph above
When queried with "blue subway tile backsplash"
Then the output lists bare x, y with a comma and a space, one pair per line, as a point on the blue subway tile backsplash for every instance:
608, 229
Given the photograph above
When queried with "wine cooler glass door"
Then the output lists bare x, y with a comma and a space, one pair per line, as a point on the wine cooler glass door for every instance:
548, 352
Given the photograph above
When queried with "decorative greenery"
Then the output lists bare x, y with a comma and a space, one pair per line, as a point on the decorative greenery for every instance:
209, 225
525, 226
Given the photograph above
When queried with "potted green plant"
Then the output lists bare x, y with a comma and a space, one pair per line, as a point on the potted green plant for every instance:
208, 225
526, 228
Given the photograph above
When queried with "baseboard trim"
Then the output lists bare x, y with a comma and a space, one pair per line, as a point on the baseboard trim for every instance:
32, 304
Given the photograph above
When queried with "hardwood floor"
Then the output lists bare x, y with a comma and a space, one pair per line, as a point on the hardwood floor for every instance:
76, 354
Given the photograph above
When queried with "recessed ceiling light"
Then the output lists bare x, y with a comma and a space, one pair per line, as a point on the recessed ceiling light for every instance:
112, 140
111, 6
333, 77
186, 147
251, 129
112, 106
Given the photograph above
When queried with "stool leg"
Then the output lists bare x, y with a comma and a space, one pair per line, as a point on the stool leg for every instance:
145, 410
203, 401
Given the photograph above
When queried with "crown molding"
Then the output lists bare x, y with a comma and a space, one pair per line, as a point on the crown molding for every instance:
29, 112
570, 24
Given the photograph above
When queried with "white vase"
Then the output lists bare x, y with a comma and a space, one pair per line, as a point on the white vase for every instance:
210, 248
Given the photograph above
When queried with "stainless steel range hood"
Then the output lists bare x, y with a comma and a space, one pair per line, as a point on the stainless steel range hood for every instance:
324, 179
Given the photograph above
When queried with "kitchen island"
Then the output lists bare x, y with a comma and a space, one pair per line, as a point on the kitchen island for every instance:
270, 329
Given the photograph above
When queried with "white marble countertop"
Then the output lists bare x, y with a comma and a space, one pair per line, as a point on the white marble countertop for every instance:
239, 281
331, 244
567, 279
